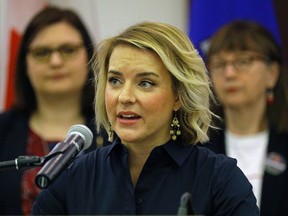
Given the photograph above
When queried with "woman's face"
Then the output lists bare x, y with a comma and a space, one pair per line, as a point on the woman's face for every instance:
57, 72
139, 96
241, 79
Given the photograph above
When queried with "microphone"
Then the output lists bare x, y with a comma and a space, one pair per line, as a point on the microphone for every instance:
79, 137
185, 207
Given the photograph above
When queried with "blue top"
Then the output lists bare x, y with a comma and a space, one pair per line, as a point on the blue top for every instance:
100, 183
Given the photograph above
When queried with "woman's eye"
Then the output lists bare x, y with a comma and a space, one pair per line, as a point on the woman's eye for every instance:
114, 81
243, 61
146, 84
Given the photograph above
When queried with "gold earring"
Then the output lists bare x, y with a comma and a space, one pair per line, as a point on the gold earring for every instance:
111, 133
175, 128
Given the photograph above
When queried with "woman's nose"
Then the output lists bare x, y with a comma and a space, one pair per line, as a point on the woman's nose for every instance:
230, 70
127, 94
56, 58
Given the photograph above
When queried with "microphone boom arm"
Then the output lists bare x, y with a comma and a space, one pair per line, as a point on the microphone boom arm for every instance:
22, 161
28, 161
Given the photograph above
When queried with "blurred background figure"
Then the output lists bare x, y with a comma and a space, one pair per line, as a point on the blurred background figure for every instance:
54, 90
245, 65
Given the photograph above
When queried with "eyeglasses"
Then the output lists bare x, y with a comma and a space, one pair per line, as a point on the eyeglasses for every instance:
66, 51
241, 63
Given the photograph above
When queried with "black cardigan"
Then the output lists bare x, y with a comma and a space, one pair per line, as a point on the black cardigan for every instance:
274, 198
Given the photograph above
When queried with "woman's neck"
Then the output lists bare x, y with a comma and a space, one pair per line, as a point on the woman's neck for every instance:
54, 117
246, 121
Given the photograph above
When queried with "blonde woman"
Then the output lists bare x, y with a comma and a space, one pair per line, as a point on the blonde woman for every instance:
153, 98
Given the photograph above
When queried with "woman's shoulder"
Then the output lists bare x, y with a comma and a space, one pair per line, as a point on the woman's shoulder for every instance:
6, 116
275, 135
216, 161
12, 120
11, 115
210, 154
222, 169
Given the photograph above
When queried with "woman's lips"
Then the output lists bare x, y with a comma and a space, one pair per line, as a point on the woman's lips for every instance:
231, 90
58, 77
128, 118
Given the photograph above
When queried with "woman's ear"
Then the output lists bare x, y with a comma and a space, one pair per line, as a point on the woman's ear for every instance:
273, 74
177, 104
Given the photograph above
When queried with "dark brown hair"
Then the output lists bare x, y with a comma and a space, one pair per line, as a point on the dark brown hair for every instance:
25, 96
243, 35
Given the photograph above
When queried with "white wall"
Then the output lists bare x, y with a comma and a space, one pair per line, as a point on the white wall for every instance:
112, 16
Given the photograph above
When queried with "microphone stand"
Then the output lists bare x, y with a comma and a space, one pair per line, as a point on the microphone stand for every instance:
27, 161
22, 161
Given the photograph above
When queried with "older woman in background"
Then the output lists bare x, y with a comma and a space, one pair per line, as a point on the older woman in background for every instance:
245, 65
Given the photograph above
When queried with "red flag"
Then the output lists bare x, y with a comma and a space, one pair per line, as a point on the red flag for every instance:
13, 47
16, 15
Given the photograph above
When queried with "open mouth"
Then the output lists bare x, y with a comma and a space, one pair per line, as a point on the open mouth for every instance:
129, 116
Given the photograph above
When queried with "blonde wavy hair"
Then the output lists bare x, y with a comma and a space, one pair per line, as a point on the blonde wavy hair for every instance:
189, 75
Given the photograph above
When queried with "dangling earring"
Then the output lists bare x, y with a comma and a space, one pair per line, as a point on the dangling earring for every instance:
270, 96
111, 133
175, 128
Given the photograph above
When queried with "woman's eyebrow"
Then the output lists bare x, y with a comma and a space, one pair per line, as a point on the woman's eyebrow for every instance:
142, 74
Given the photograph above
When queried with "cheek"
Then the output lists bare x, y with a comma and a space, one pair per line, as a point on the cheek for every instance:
217, 85
78, 70
81, 76
214, 79
79, 66
256, 83
33, 72
30, 68
110, 101
107, 99
158, 103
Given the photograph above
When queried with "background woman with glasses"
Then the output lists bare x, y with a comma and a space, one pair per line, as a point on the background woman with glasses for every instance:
54, 90
245, 65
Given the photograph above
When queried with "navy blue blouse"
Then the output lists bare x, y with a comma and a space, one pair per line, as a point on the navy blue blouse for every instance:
99, 183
